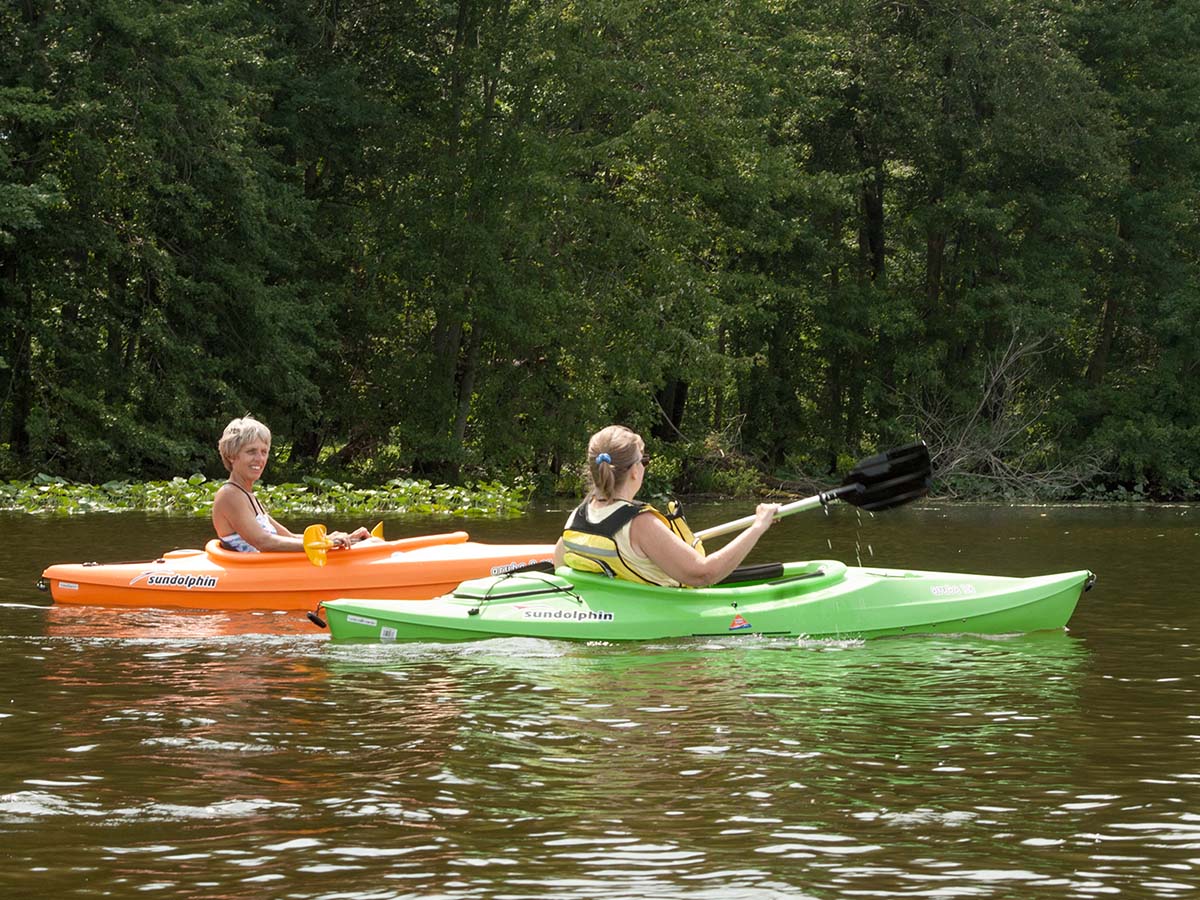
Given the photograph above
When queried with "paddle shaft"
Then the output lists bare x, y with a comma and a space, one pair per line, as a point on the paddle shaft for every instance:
786, 510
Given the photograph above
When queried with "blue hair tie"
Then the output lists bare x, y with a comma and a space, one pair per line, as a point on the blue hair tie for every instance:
602, 458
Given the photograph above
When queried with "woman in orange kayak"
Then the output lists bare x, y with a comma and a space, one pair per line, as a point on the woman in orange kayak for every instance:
241, 521
610, 532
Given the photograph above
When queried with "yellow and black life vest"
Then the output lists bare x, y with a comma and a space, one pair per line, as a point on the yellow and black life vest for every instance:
679, 525
593, 546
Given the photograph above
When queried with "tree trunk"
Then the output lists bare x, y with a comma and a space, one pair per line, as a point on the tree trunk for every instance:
833, 408
447, 341
935, 261
1098, 364
21, 380
306, 447
718, 406
671, 401
871, 229
466, 383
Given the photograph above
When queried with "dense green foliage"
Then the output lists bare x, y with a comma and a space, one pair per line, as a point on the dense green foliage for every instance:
194, 496
450, 238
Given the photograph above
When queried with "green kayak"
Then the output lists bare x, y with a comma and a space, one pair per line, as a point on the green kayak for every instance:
817, 599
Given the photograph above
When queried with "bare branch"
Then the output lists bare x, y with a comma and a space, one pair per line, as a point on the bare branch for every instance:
999, 444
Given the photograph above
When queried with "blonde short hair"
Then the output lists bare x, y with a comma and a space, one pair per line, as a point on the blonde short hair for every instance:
237, 435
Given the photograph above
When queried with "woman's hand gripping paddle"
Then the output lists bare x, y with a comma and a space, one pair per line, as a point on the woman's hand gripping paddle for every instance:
317, 545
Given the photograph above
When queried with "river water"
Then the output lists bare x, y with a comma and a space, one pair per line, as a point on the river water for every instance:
218, 755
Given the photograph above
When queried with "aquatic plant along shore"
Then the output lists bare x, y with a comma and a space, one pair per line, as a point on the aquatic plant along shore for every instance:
193, 496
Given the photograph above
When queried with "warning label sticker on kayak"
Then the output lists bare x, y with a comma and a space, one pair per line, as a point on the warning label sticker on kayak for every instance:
738, 623
361, 620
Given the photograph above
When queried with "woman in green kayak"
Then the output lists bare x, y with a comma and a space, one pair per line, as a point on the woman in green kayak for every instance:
241, 521
613, 533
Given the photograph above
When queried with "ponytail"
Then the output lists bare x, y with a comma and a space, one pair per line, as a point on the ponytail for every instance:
611, 453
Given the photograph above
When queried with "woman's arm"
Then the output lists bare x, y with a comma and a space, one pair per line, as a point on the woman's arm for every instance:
339, 539
283, 531
652, 538
232, 513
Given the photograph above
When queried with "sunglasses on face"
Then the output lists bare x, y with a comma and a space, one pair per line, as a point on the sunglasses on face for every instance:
644, 459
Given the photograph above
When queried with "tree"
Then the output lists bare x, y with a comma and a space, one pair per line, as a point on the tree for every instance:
165, 288
1142, 338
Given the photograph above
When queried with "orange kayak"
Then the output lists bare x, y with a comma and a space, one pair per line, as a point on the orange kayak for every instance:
215, 578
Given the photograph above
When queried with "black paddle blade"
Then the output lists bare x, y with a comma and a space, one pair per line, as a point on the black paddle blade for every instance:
891, 478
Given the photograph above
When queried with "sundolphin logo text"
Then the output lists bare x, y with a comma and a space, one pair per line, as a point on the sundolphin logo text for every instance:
174, 579
575, 615
508, 567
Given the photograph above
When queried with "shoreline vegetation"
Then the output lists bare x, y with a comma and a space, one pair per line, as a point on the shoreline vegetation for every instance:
193, 495
53, 495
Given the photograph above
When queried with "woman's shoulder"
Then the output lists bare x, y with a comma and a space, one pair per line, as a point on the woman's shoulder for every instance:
616, 505
225, 497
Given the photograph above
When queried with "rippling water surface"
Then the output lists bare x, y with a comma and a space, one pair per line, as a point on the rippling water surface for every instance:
220, 755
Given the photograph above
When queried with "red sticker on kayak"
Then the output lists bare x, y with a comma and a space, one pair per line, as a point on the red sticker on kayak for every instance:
738, 623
